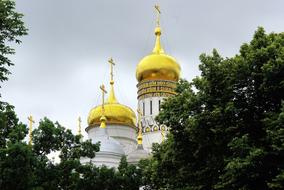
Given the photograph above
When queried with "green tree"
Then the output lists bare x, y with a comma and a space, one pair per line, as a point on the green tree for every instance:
123, 178
16, 166
24, 166
129, 176
27, 167
227, 133
11, 28
51, 137
93, 177
16, 156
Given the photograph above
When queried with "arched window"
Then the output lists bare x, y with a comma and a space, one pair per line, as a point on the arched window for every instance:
143, 108
151, 107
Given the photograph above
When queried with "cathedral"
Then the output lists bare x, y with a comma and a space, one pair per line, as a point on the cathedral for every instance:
116, 126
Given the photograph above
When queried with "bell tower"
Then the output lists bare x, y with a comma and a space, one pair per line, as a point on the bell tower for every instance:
157, 75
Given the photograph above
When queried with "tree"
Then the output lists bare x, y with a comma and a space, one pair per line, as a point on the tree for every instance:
228, 132
69, 173
123, 178
11, 28
16, 166
129, 176
24, 166
52, 137
16, 156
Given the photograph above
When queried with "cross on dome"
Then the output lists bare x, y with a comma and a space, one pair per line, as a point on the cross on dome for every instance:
103, 118
31, 121
139, 137
79, 125
157, 7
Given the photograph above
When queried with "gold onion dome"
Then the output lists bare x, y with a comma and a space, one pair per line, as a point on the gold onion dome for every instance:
114, 112
158, 65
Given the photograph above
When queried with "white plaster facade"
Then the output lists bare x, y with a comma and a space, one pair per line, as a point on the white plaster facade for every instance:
124, 134
103, 158
152, 132
110, 152
138, 154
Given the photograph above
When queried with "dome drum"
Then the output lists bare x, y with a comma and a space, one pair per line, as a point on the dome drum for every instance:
156, 88
148, 129
125, 135
157, 73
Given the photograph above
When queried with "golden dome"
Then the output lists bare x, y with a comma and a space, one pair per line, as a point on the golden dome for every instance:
114, 112
158, 65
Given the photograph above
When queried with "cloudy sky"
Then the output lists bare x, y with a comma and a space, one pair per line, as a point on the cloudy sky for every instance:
61, 63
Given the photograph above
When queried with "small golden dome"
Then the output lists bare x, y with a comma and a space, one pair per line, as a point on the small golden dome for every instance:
158, 65
114, 112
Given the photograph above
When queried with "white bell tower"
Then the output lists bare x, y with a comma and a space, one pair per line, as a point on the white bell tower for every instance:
157, 75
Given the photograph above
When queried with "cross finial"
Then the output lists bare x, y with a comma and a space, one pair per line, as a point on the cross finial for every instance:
102, 87
31, 121
103, 118
111, 98
157, 8
139, 113
163, 133
111, 62
139, 138
79, 125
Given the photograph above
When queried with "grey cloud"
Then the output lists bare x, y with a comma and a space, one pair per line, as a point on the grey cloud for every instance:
63, 60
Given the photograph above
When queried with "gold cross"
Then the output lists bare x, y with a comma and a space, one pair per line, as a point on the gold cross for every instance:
102, 87
79, 125
31, 121
157, 7
163, 133
139, 127
111, 62
139, 113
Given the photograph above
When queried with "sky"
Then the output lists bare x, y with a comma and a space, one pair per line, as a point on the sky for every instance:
63, 60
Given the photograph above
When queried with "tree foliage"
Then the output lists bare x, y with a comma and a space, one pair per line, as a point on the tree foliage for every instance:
11, 28
51, 137
226, 125
24, 166
227, 129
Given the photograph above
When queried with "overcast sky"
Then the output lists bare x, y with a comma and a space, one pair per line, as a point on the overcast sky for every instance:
61, 63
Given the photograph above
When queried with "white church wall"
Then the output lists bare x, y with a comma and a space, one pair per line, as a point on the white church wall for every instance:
151, 130
103, 158
125, 135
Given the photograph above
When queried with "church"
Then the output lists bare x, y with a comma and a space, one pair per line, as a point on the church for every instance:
116, 127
